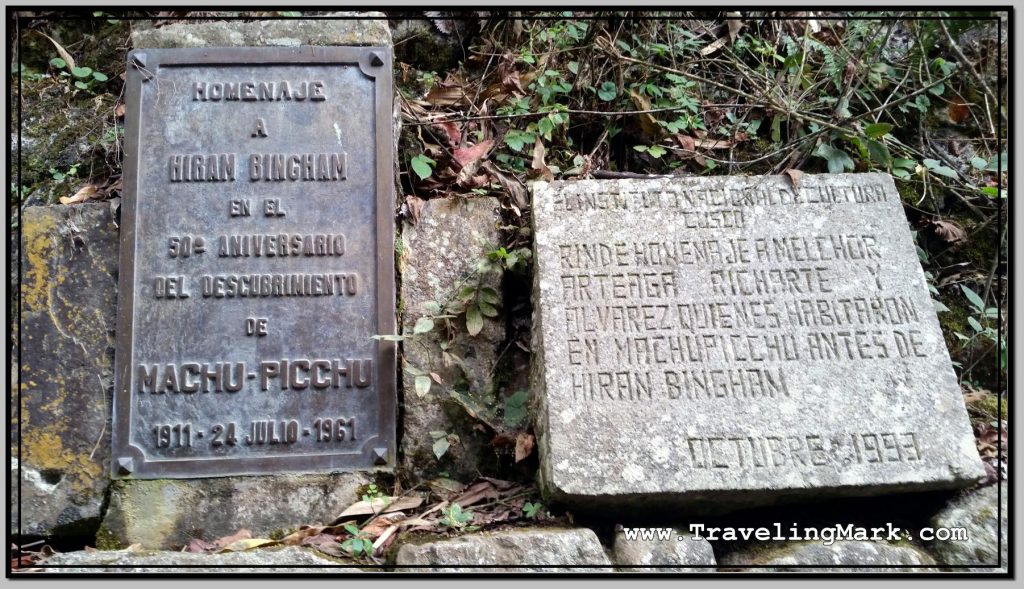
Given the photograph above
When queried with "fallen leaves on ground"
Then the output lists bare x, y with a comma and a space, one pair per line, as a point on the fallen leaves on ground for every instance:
794, 176
23, 557
379, 505
240, 541
93, 191
991, 439
947, 231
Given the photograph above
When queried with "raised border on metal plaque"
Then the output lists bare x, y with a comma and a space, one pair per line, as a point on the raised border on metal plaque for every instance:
377, 451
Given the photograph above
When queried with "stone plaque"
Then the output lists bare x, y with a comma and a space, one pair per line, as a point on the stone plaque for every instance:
737, 340
256, 263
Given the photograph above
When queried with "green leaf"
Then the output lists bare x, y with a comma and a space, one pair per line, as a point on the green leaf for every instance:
518, 139
515, 408
939, 307
607, 91
994, 165
489, 295
441, 446
838, 160
545, 126
58, 63
352, 529
937, 168
904, 163
656, 151
99, 77
877, 130
424, 325
487, 309
423, 166
432, 307
531, 509
974, 323
879, 153
81, 72
776, 129
640, 148
574, 67
81, 85
993, 192
973, 298
474, 320
979, 163
422, 385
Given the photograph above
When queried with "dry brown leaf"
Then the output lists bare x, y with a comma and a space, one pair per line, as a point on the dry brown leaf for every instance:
977, 396
735, 25
119, 110
84, 193
377, 525
958, 111
687, 143
524, 446
511, 81
948, 231
452, 131
242, 534
438, 96
713, 143
446, 488
538, 164
794, 176
333, 549
380, 505
466, 156
477, 492
515, 188
61, 51
197, 545
319, 540
648, 123
384, 540
415, 206
499, 484
301, 535
248, 544
713, 46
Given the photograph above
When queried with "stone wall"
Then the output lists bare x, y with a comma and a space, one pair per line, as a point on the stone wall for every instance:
61, 445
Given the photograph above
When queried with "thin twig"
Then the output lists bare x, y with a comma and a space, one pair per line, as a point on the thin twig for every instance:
970, 69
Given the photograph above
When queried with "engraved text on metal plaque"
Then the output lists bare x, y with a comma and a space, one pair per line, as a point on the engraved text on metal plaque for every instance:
256, 263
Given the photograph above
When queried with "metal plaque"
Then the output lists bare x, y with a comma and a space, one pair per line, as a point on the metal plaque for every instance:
256, 263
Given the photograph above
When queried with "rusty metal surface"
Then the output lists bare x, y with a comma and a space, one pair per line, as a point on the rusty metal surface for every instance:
199, 391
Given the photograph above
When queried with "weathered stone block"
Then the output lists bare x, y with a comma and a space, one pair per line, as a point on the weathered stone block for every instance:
290, 559
680, 553
161, 514
68, 296
440, 255
729, 341
849, 556
984, 516
509, 551
373, 30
